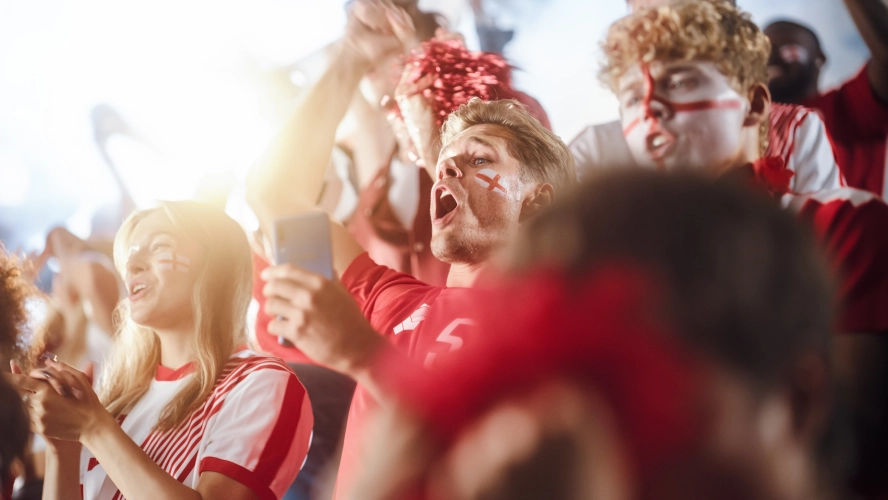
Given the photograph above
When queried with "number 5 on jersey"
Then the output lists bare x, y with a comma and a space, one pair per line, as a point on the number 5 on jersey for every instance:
448, 336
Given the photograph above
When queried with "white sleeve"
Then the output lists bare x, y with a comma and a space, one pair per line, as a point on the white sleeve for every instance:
812, 159
260, 435
598, 147
584, 150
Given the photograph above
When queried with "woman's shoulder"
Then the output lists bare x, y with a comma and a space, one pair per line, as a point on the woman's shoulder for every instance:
246, 360
249, 367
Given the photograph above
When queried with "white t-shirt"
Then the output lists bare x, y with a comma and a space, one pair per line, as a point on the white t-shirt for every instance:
600, 146
796, 134
255, 428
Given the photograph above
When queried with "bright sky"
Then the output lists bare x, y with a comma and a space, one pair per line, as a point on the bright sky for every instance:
184, 74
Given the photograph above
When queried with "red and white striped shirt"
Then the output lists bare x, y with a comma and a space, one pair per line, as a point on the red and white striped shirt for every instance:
255, 428
797, 135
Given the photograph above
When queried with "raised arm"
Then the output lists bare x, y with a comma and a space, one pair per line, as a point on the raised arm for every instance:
871, 18
289, 176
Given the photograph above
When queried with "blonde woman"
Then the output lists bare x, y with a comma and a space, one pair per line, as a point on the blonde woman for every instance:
186, 411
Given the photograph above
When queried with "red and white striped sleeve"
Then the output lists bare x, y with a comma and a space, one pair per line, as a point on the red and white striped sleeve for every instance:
797, 135
261, 432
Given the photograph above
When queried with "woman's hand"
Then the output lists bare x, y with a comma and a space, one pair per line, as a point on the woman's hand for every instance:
62, 403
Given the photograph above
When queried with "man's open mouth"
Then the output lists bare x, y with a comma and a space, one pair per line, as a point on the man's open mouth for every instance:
445, 203
659, 143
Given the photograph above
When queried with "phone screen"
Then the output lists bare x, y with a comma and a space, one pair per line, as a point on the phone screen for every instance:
304, 241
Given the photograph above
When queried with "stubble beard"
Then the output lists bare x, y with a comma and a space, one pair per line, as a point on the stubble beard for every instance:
791, 88
458, 248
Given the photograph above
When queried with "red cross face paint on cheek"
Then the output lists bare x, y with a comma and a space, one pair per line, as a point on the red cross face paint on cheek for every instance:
492, 181
172, 261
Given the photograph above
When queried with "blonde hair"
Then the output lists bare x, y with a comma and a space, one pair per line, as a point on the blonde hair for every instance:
220, 299
542, 155
691, 30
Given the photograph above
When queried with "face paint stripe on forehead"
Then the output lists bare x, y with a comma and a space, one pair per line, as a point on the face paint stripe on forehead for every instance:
173, 261
648, 92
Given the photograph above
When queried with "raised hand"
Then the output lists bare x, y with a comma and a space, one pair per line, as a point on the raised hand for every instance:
377, 29
62, 243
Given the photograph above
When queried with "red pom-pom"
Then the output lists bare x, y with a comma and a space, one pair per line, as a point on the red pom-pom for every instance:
462, 75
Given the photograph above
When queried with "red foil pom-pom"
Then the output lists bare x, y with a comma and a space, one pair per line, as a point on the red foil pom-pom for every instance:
461, 75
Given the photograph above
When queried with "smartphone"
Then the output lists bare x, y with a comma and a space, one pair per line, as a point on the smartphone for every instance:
304, 241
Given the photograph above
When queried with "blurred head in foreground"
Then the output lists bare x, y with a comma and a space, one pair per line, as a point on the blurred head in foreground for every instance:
665, 337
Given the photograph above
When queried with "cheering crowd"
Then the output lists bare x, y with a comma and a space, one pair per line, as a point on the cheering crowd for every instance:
690, 302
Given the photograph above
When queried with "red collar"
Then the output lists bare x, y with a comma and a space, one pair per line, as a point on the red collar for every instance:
164, 374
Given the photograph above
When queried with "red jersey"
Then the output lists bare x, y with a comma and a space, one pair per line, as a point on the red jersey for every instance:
853, 226
857, 124
596, 332
425, 322
377, 228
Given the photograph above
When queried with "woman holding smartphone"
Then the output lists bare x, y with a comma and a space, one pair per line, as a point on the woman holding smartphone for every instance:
186, 411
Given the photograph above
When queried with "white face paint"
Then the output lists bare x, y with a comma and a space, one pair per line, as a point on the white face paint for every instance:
682, 115
490, 180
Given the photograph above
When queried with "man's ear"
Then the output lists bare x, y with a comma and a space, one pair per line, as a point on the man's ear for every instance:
540, 198
759, 105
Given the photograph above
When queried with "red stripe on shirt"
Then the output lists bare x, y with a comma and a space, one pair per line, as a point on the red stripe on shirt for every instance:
794, 127
184, 450
176, 450
281, 437
239, 474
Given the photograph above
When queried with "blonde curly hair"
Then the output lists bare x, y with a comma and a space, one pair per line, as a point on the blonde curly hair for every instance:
689, 31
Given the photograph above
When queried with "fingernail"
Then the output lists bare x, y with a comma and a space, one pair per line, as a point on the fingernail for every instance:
49, 356
46, 373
